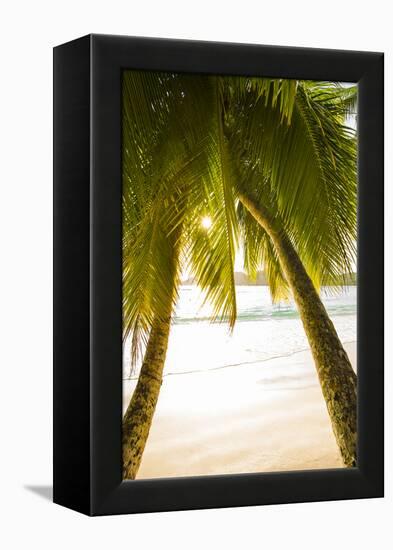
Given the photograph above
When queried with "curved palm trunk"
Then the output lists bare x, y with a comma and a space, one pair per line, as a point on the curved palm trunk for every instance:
139, 415
337, 378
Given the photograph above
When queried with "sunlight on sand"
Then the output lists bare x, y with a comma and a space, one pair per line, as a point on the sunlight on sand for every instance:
261, 417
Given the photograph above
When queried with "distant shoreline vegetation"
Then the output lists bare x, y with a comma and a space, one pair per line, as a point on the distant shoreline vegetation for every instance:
242, 279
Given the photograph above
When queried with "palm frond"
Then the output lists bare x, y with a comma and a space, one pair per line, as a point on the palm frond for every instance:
260, 254
190, 142
311, 167
170, 177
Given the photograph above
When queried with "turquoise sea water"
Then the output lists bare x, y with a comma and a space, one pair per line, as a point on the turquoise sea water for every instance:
263, 331
254, 303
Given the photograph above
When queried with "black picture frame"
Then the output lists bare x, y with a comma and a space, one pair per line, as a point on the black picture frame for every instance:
87, 275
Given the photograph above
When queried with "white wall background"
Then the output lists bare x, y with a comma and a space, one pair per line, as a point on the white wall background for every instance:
28, 31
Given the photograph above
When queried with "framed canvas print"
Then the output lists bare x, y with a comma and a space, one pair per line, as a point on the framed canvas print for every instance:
218, 275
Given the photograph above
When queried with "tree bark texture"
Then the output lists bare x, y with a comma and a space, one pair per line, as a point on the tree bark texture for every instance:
336, 375
139, 415
138, 418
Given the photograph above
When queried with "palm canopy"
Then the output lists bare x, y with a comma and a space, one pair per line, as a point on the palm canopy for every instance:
191, 144
304, 172
175, 170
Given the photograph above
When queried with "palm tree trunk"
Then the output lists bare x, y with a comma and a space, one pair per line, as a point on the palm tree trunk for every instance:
139, 415
337, 378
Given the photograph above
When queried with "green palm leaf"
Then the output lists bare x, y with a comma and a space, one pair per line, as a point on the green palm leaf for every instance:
310, 167
170, 178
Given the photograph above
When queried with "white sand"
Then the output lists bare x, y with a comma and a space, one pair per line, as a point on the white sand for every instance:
262, 417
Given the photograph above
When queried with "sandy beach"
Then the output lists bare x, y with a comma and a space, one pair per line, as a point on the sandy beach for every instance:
260, 417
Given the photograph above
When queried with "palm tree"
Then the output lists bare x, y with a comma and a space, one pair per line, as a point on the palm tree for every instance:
197, 144
139, 415
174, 172
297, 181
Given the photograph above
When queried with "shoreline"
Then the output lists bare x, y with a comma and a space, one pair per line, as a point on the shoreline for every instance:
180, 373
263, 417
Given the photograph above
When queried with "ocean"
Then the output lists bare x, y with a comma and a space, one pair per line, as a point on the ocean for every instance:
263, 331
